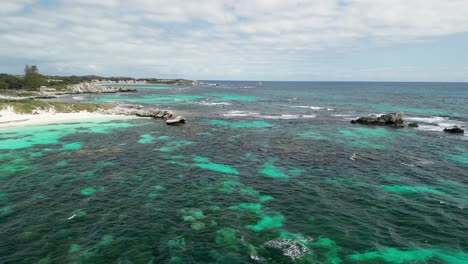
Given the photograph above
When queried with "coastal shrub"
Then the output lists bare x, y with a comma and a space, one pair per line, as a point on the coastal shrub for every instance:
3, 85
28, 106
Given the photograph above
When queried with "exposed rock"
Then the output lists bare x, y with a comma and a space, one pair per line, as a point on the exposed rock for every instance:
173, 81
146, 81
454, 130
413, 124
86, 87
127, 81
175, 120
139, 110
391, 119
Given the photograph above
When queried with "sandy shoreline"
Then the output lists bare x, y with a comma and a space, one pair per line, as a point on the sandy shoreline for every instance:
8, 118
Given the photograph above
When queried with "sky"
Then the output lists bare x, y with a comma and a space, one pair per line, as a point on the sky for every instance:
310, 40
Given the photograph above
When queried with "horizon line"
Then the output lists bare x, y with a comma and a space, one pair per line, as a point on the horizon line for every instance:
250, 80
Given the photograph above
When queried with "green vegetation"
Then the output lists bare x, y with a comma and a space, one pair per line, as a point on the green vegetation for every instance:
18, 93
28, 106
32, 79
3, 84
8, 81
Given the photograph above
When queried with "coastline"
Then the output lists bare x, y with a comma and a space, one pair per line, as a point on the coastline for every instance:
9, 118
36, 112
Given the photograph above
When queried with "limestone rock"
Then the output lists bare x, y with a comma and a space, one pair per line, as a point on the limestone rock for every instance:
86, 87
454, 130
139, 110
391, 119
175, 120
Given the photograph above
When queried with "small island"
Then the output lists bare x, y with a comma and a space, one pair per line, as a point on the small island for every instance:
21, 98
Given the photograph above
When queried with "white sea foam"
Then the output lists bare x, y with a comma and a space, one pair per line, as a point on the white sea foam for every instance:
71, 217
286, 116
237, 113
435, 128
241, 113
214, 103
79, 98
313, 107
345, 115
429, 120
435, 123
293, 249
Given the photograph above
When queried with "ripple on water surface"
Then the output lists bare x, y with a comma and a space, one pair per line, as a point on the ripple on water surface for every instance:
236, 189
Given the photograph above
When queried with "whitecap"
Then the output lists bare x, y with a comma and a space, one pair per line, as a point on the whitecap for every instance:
286, 116
237, 113
241, 113
435, 123
313, 107
436, 127
345, 115
215, 103
430, 120
71, 217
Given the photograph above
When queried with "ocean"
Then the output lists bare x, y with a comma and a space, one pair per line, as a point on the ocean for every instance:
270, 172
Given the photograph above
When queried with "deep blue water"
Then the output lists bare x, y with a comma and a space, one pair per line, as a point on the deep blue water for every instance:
261, 173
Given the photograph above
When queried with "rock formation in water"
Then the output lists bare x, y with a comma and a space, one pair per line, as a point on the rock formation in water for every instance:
413, 124
139, 110
391, 119
454, 130
175, 120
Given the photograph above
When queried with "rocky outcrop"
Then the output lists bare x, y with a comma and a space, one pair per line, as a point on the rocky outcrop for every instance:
129, 81
146, 81
454, 130
176, 120
139, 110
413, 124
173, 81
391, 119
86, 87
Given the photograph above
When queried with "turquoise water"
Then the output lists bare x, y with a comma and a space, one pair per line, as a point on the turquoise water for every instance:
263, 177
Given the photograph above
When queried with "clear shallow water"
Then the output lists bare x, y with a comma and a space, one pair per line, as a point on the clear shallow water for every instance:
258, 173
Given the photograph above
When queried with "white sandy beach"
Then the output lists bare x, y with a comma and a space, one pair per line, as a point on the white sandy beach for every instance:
8, 118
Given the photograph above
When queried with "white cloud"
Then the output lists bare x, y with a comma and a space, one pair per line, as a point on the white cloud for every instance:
13, 6
214, 38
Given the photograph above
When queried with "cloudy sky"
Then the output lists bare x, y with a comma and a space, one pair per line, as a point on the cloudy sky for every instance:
335, 40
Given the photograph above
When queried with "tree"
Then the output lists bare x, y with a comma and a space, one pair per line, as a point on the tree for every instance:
31, 70
12, 81
3, 85
32, 79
